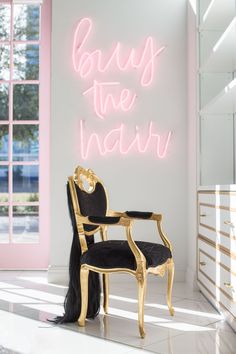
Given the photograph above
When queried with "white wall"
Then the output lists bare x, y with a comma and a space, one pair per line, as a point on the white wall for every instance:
134, 182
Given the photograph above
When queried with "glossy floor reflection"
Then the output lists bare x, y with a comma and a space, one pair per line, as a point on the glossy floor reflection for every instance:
27, 301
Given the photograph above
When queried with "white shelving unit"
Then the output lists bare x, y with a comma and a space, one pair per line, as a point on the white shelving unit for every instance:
223, 55
224, 102
217, 15
217, 87
216, 250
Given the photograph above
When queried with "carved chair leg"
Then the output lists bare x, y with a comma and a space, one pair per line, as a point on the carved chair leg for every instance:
84, 275
105, 278
141, 297
170, 274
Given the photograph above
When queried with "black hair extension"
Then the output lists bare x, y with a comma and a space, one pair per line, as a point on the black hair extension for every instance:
72, 303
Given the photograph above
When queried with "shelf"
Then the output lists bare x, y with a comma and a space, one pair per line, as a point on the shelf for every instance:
218, 15
223, 55
224, 102
218, 187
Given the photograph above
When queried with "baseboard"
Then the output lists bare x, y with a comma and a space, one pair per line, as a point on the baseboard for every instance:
60, 275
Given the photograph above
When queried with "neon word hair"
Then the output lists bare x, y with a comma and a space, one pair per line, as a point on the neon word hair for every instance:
115, 140
103, 101
86, 62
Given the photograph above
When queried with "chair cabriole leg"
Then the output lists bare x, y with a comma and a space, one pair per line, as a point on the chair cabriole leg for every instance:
141, 296
170, 275
105, 278
84, 275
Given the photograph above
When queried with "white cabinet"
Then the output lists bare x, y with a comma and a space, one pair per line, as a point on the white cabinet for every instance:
217, 248
217, 91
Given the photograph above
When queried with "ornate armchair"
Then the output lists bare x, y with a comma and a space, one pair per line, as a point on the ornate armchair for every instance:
90, 213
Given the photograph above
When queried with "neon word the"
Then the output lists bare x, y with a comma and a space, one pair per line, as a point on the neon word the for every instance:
115, 140
103, 102
86, 62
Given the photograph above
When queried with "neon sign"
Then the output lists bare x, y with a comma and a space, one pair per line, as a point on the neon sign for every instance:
102, 100
108, 96
85, 62
115, 140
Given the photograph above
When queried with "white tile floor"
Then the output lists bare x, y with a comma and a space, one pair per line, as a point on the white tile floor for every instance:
26, 301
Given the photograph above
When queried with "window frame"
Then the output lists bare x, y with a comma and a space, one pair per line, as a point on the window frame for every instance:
30, 255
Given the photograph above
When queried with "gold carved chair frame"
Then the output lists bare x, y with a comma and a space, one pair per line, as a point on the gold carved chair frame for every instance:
125, 221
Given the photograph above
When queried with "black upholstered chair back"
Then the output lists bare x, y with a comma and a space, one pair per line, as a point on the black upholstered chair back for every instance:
92, 203
93, 199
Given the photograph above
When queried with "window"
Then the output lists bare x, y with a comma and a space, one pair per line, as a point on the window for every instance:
24, 120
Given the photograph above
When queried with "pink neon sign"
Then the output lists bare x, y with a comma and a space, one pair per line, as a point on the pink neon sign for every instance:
102, 100
86, 62
115, 140
108, 95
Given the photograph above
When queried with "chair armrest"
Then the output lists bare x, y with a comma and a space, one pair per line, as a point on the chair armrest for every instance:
143, 215
104, 220
139, 214
131, 215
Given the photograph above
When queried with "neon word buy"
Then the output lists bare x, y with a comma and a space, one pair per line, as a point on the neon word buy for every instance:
87, 62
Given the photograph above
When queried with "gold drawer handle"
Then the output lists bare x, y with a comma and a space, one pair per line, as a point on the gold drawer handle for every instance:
228, 285
202, 263
229, 223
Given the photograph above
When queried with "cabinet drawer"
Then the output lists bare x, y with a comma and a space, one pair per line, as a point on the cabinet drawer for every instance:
217, 295
225, 199
223, 279
224, 259
228, 242
218, 219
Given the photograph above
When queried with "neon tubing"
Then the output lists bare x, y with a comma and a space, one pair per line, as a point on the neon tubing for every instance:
103, 146
103, 102
85, 62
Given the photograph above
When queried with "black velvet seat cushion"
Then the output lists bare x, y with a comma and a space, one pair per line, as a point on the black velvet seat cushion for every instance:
117, 254
104, 219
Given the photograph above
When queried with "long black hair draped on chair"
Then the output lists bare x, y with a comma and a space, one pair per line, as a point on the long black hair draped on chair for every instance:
72, 304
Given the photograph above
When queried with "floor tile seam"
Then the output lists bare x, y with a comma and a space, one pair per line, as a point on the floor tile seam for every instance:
28, 316
171, 319
173, 301
158, 341
24, 303
230, 330
164, 340
212, 323
139, 349
190, 323
204, 314
183, 319
191, 299
182, 334
31, 297
188, 297
34, 286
